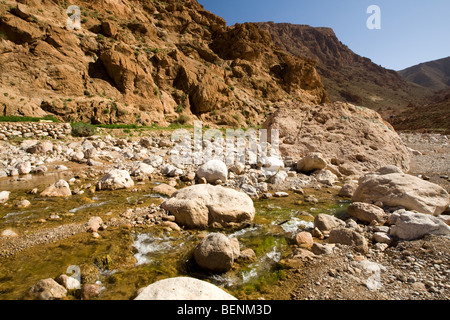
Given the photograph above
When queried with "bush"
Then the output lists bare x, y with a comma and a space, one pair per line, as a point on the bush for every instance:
81, 129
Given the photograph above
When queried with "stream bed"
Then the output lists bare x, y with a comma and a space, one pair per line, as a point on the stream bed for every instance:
124, 260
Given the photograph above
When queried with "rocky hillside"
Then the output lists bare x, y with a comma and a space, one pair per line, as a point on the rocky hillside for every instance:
144, 62
434, 74
346, 75
431, 117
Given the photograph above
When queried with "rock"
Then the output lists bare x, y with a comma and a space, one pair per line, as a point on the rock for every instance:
247, 255
250, 190
388, 169
204, 205
382, 237
349, 237
366, 212
238, 168
325, 222
311, 162
325, 177
70, 283
59, 189
47, 289
94, 224
216, 253
407, 225
298, 254
4, 196
90, 290
321, 248
23, 167
171, 225
8, 233
77, 156
304, 239
109, 29
114, 180
347, 190
281, 194
402, 190
39, 170
266, 195
22, 204
278, 178
154, 160
272, 165
183, 288
358, 137
142, 169
41, 148
190, 176
164, 189
170, 170
61, 167
317, 233
213, 170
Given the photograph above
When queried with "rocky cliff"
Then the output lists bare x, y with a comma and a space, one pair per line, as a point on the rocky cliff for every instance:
346, 75
144, 62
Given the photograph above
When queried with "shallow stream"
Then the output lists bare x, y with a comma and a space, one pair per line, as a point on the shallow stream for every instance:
124, 260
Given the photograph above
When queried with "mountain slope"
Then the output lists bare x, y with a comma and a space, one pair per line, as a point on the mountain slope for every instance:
144, 62
434, 74
346, 75
431, 117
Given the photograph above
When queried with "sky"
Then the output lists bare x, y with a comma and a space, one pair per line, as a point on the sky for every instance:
411, 31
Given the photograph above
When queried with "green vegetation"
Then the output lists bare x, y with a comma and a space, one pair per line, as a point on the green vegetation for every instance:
81, 129
26, 119
179, 108
117, 126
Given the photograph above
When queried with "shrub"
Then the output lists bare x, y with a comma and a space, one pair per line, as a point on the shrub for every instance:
81, 129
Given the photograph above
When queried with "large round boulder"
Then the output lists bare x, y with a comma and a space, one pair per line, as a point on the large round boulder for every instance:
183, 288
212, 171
216, 253
204, 205
407, 225
402, 190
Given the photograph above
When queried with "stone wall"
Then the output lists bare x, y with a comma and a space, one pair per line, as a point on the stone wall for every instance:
34, 130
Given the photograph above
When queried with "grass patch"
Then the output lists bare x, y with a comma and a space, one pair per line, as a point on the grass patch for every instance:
81, 129
118, 126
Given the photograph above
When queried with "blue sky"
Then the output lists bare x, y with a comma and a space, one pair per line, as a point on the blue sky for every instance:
412, 31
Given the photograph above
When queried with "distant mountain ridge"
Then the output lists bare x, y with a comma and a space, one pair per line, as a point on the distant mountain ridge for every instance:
433, 74
346, 75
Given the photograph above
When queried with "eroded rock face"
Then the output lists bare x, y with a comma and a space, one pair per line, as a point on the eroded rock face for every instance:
173, 58
183, 288
351, 139
203, 206
402, 190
